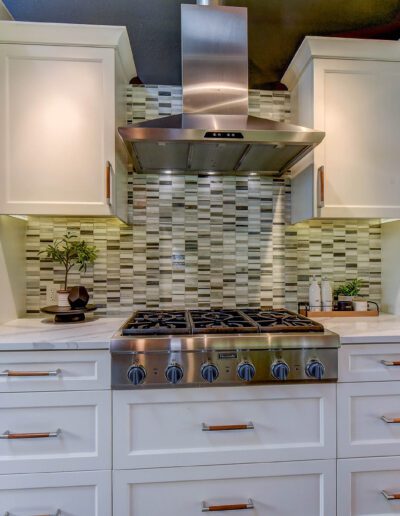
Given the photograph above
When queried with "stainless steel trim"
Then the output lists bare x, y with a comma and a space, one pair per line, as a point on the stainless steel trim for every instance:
10, 373
388, 419
214, 3
390, 363
222, 428
31, 435
390, 496
58, 513
230, 507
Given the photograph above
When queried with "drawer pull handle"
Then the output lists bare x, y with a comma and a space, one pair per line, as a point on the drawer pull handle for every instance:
234, 507
388, 419
7, 372
390, 362
58, 513
38, 435
390, 496
222, 428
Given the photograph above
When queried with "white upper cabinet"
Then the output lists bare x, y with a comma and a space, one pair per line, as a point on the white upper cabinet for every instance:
348, 88
62, 98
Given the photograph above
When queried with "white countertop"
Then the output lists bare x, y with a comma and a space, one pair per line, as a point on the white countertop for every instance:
363, 330
43, 334
96, 332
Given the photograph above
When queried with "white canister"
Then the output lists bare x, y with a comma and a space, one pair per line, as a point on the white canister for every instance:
314, 295
326, 295
360, 305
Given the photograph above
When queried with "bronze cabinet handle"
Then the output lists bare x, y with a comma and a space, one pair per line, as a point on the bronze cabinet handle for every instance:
321, 187
388, 419
30, 435
390, 496
390, 363
222, 428
233, 507
16, 374
58, 513
108, 183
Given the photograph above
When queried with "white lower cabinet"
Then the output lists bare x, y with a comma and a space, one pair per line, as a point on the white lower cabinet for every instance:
362, 483
55, 431
369, 419
187, 427
83, 493
369, 363
276, 489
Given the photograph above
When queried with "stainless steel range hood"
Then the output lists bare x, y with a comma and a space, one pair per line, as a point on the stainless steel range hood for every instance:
215, 132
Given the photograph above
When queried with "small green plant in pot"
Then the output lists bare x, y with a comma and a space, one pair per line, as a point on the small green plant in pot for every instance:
69, 251
348, 291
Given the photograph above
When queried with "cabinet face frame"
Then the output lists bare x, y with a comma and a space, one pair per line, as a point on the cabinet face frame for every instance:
96, 204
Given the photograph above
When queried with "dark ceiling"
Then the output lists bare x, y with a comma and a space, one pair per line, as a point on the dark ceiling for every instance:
276, 28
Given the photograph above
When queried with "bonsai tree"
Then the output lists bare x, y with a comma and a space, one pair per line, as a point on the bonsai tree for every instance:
69, 251
351, 288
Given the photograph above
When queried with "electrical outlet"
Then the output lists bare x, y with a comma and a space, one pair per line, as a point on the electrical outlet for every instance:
51, 294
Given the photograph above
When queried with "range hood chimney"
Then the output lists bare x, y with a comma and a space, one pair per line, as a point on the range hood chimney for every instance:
215, 132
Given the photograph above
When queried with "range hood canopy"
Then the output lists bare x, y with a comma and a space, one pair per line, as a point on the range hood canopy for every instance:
215, 132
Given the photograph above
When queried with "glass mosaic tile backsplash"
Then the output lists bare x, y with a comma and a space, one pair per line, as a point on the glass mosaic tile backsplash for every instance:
205, 241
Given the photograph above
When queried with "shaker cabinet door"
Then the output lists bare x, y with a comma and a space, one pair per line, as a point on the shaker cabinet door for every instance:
57, 130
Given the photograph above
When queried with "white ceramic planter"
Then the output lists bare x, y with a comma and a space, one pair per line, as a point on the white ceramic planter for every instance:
62, 298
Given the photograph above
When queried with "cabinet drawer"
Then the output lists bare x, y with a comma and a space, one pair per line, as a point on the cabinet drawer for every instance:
284, 489
74, 494
184, 427
369, 363
361, 430
54, 370
360, 486
55, 431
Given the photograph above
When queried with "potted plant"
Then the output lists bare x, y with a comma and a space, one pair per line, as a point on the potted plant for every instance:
349, 290
69, 251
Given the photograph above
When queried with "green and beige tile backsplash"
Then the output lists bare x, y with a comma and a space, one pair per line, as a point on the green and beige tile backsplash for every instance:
206, 241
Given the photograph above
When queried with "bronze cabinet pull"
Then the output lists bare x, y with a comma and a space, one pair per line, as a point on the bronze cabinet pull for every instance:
388, 419
390, 496
108, 183
30, 435
222, 428
390, 362
58, 513
233, 507
321, 187
16, 374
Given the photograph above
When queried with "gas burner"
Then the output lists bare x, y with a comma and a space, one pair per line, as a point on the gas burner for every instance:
282, 320
220, 321
157, 322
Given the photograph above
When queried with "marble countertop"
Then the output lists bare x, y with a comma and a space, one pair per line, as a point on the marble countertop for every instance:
27, 334
96, 332
364, 330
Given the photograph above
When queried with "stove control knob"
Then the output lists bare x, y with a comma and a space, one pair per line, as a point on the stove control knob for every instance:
136, 374
246, 371
174, 373
315, 369
280, 370
209, 372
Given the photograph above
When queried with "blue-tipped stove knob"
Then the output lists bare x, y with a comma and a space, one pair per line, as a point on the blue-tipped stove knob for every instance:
280, 370
136, 374
174, 373
246, 371
209, 372
315, 369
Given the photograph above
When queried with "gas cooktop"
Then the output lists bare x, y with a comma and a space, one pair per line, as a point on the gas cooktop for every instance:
183, 348
252, 320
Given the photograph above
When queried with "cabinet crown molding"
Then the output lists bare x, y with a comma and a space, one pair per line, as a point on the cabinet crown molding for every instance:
66, 34
318, 47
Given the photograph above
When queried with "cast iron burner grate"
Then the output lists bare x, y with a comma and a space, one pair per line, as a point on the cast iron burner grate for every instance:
281, 320
146, 322
221, 321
